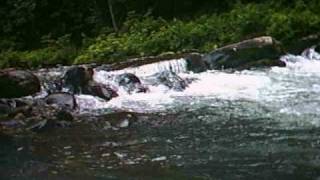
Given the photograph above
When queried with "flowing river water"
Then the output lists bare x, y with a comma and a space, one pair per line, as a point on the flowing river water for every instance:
251, 124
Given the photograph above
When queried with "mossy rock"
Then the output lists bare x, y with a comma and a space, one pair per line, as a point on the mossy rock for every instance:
18, 83
258, 52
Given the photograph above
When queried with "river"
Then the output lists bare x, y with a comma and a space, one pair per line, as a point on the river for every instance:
251, 124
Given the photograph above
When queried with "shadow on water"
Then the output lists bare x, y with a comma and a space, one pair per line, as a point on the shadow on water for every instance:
219, 142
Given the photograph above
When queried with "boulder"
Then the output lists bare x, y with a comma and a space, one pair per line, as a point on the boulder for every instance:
171, 80
195, 63
258, 52
76, 78
62, 100
130, 83
100, 90
18, 83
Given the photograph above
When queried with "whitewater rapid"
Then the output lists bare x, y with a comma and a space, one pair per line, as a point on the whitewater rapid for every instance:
294, 89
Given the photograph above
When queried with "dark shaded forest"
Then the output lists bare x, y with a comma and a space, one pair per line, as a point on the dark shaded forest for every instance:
40, 32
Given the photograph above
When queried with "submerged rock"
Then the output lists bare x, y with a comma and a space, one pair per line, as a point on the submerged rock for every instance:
8, 106
130, 83
47, 117
100, 90
62, 100
258, 52
76, 78
171, 80
18, 83
36, 117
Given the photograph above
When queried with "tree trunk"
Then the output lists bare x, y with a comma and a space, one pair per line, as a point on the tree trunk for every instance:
114, 23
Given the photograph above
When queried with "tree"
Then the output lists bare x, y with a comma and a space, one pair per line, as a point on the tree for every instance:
114, 23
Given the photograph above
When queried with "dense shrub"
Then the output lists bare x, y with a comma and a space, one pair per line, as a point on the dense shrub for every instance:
151, 36
147, 35
37, 58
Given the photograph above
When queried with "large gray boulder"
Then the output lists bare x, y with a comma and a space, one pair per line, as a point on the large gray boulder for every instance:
18, 83
257, 52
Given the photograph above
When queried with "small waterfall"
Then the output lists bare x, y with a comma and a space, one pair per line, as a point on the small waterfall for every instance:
176, 66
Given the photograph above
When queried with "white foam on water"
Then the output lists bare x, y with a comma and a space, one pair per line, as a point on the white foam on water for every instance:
227, 85
88, 103
211, 84
176, 65
293, 89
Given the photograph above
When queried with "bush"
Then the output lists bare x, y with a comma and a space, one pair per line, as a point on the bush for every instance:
59, 51
145, 35
38, 58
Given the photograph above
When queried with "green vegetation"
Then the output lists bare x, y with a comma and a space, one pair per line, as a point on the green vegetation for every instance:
153, 33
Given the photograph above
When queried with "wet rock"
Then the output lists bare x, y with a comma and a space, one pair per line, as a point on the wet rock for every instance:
195, 63
12, 106
128, 78
64, 116
42, 125
258, 52
48, 117
171, 80
4, 108
37, 117
100, 90
18, 83
76, 78
62, 100
311, 53
54, 86
51, 119
131, 83
317, 48
299, 45
116, 121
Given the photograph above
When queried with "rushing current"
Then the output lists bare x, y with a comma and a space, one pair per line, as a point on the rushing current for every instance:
292, 90
251, 124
